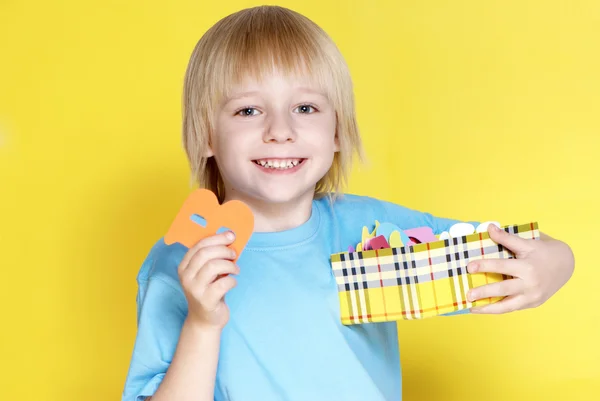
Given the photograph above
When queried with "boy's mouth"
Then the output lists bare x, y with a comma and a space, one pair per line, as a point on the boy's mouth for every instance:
279, 164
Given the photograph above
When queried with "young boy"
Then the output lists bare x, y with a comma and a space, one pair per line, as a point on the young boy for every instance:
269, 119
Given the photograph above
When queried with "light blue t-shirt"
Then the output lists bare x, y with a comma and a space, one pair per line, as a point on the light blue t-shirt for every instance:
284, 340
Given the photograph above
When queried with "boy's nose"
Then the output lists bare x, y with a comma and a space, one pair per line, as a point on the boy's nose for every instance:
279, 129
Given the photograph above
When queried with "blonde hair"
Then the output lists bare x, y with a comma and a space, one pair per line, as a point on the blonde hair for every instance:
251, 43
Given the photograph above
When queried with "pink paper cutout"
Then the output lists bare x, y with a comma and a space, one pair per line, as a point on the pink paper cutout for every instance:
379, 243
421, 234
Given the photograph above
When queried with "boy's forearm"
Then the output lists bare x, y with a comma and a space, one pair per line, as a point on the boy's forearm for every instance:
191, 375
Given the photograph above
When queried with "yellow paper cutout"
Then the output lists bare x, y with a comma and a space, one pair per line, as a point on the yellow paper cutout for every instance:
367, 235
395, 241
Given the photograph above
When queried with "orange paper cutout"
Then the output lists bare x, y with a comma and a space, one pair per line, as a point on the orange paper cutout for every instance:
234, 215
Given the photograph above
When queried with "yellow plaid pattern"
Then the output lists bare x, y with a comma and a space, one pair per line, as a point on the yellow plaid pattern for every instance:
417, 281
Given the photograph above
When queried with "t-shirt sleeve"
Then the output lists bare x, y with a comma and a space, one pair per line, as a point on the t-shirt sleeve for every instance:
162, 309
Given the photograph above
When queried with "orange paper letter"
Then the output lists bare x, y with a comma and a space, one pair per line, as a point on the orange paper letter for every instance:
235, 215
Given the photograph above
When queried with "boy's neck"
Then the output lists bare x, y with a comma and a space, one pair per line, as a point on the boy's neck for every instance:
273, 217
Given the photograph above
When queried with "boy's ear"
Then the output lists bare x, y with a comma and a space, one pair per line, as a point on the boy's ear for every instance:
336, 143
208, 152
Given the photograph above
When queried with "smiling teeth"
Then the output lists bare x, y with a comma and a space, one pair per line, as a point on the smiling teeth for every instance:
278, 164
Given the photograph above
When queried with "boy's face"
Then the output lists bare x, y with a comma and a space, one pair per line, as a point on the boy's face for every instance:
274, 139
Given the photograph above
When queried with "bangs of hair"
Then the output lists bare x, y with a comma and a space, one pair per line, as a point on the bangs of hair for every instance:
262, 41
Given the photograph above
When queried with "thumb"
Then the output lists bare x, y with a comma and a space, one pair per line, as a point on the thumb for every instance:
514, 243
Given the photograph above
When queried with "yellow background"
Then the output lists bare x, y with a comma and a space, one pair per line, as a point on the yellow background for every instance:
469, 109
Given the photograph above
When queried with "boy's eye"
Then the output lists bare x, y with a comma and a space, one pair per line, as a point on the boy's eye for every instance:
247, 112
305, 109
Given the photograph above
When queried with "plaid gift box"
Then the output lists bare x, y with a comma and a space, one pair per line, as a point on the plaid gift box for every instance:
417, 281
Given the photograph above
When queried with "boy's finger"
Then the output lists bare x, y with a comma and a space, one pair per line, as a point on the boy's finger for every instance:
225, 238
502, 288
509, 304
205, 255
213, 269
218, 239
511, 241
510, 267
216, 291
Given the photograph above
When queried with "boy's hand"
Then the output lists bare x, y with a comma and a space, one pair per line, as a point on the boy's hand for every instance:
204, 275
540, 269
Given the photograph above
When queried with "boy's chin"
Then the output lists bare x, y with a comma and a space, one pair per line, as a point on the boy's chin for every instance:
284, 195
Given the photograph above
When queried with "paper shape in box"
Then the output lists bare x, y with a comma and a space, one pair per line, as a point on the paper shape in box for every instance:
420, 280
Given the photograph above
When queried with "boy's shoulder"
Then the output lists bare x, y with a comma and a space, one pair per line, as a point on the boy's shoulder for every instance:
351, 204
360, 210
162, 262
